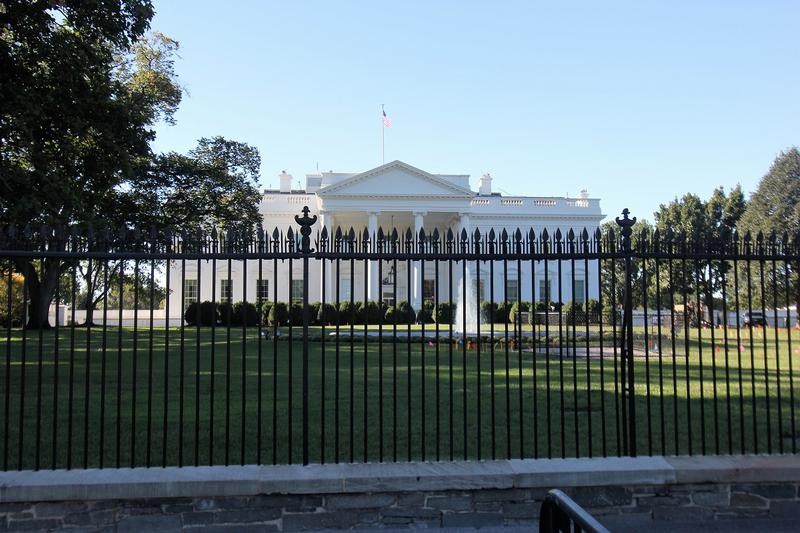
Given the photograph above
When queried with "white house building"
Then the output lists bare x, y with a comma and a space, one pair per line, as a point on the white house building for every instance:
396, 195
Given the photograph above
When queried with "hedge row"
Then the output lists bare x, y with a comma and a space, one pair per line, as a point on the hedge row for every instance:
359, 313
283, 314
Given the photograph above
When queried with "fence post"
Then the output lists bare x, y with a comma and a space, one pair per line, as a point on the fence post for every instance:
626, 225
305, 249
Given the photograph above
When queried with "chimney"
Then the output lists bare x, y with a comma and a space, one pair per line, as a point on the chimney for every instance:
286, 181
486, 185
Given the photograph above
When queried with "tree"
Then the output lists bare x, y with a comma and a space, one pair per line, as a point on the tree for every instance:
699, 224
774, 208
612, 274
82, 89
72, 130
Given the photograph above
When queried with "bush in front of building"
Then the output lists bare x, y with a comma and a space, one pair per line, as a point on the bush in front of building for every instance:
278, 314
516, 309
266, 306
444, 312
296, 314
595, 310
402, 313
327, 315
425, 315
202, 314
347, 313
313, 312
245, 314
226, 317
574, 313
369, 312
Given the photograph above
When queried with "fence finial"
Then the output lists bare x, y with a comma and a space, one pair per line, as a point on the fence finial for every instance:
305, 228
626, 225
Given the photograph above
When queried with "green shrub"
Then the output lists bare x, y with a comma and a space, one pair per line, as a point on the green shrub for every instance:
444, 312
501, 312
209, 314
595, 310
347, 313
226, 317
296, 314
402, 313
573, 313
425, 316
265, 308
516, 308
327, 314
313, 312
190, 314
369, 312
245, 314
278, 314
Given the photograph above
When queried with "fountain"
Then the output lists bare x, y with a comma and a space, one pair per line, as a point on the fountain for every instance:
470, 300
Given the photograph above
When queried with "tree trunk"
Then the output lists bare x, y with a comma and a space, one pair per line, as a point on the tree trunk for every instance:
41, 289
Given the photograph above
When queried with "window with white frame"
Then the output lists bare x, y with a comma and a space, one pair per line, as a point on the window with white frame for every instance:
512, 290
428, 291
226, 290
579, 291
262, 290
190, 291
544, 290
297, 291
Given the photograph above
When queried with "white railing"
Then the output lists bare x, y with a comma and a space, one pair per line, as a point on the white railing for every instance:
500, 202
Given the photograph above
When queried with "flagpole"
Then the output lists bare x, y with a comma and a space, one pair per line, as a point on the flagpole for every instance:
383, 137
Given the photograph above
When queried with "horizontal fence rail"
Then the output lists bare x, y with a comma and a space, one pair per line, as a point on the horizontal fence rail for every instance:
322, 346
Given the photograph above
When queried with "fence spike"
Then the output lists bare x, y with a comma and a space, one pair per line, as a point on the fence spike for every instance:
435, 235
464, 236
570, 235
449, 235
491, 236
545, 235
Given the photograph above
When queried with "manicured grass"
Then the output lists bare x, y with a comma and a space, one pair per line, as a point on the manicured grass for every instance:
212, 398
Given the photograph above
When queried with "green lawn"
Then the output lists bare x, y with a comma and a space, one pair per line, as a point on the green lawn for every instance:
387, 396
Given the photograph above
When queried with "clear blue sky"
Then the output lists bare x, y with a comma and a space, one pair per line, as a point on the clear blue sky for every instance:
638, 102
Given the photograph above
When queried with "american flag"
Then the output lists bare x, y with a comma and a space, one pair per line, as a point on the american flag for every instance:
386, 122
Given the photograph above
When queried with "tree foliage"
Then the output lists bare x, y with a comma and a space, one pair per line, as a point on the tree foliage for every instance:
774, 209
82, 89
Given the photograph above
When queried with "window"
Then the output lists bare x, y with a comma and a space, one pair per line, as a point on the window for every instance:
388, 296
262, 290
428, 290
544, 290
512, 290
297, 291
226, 290
578, 291
190, 292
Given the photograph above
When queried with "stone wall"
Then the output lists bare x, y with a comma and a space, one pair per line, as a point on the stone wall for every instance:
187, 500
612, 506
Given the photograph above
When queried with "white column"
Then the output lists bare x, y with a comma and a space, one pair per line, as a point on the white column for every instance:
416, 302
326, 221
373, 289
463, 223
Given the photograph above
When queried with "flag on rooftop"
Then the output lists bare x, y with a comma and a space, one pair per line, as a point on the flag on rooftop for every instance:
386, 121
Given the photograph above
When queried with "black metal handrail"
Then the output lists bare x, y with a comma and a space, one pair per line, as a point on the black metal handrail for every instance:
560, 514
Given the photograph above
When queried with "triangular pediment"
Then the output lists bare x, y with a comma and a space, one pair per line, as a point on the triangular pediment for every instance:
395, 179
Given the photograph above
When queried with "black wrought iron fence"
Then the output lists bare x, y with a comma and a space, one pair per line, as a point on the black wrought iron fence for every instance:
276, 347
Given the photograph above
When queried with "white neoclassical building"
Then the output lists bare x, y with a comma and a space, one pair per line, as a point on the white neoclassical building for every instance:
396, 195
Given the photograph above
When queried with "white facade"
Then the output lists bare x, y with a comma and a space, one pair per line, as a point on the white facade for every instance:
396, 195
